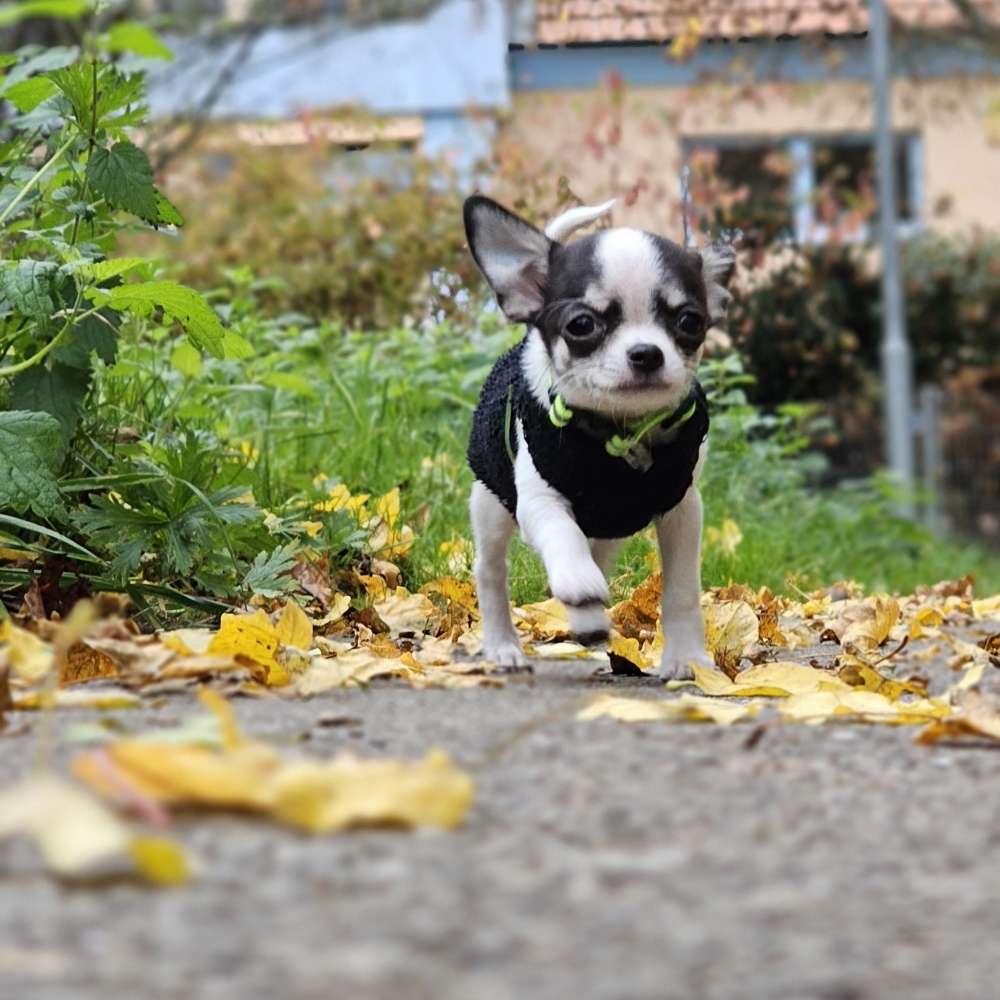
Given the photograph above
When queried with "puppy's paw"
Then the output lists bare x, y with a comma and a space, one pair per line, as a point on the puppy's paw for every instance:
507, 654
589, 623
677, 661
578, 583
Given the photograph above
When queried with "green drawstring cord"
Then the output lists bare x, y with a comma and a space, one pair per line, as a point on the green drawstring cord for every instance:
559, 413
619, 447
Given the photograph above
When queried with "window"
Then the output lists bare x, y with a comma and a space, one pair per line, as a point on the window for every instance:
815, 188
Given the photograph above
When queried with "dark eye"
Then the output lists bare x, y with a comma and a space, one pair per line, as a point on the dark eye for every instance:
689, 323
581, 326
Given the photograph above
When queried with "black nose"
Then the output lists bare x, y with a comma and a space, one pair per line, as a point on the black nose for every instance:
645, 357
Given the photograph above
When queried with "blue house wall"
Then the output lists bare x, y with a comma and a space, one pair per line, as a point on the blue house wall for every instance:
438, 68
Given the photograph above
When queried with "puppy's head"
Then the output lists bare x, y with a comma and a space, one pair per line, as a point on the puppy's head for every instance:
622, 314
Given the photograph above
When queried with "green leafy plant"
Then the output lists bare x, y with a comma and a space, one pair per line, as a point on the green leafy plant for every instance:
71, 180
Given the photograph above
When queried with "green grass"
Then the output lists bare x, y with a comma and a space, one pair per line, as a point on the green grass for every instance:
391, 408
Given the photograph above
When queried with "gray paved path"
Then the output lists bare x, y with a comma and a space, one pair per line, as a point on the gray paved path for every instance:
600, 860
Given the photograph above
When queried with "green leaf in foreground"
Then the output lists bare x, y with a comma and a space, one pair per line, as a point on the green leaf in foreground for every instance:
177, 301
55, 389
27, 286
186, 359
124, 177
131, 36
31, 451
11, 13
167, 212
268, 575
28, 94
89, 336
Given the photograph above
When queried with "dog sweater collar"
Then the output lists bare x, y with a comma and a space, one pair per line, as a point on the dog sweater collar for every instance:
631, 444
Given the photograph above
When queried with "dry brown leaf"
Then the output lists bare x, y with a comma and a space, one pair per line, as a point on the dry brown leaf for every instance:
991, 646
636, 618
976, 715
406, 612
314, 578
731, 632
858, 674
84, 663
863, 627
6, 701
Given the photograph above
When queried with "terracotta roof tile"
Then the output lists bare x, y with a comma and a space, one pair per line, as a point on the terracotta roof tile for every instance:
559, 22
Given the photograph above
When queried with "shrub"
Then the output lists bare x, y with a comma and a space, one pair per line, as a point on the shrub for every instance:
810, 327
332, 242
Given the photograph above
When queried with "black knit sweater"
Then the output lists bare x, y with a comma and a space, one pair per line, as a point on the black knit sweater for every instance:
610, 499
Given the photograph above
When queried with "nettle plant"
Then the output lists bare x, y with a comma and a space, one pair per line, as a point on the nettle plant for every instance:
74, 480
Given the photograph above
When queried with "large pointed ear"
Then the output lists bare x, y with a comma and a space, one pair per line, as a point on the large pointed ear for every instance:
511, 253
718, 261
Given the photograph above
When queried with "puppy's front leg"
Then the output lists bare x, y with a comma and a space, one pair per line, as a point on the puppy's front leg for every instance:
547, 524
679, 535
492, 527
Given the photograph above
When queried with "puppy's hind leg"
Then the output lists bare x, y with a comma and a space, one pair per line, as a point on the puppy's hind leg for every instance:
492, 528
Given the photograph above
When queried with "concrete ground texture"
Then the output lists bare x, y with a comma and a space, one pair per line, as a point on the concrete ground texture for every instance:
600, 860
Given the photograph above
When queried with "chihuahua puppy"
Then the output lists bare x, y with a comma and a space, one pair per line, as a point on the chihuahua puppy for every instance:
593, 426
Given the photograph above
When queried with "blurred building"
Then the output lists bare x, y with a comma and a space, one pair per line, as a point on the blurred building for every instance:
776, 92
412, 74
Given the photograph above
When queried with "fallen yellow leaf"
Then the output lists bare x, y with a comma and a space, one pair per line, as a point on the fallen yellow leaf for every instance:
686, 708
312, 795
629, 649
76, 834
252, 636
106, 698
858, 674
28, 656
351, 669
323, 798
816, 707
160, 860
925, 622
769, 680
293, 628
544, 620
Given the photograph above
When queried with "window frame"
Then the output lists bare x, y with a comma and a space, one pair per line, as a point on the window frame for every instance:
801, 150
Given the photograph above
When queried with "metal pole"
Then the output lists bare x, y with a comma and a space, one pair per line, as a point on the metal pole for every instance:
897, 363
932, 461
